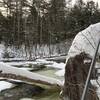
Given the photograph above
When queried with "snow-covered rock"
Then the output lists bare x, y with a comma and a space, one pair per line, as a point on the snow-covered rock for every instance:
85, 41
5, 85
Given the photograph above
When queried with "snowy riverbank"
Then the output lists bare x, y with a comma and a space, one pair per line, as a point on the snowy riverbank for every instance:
31, 53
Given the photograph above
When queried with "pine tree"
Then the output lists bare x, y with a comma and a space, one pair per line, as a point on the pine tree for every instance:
56, 14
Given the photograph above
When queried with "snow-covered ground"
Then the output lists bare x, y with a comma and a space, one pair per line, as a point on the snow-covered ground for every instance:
5, 85
37, 51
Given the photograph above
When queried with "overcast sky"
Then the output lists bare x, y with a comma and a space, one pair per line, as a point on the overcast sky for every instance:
73, 1
88, 0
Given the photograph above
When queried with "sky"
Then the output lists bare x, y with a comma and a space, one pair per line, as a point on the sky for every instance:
87, 0
73, 2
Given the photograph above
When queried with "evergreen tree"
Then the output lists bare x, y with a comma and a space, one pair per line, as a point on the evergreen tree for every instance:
56, 13
81, 16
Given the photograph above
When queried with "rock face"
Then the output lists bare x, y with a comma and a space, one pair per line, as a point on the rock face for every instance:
76, 72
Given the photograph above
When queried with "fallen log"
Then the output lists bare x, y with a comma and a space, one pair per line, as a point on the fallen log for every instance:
9, 72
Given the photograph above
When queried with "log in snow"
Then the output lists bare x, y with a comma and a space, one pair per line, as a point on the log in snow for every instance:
9, 72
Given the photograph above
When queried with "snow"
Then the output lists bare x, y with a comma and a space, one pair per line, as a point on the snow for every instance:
5, 85
37, 51
57, 65
26, 63
29, 69
60, 72
43, 61
94, 82
85, 41
2, 48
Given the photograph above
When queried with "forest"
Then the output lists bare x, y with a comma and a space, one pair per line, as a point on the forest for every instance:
44, 22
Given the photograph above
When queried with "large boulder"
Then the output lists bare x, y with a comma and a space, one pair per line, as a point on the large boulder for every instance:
85, 41
76, 70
